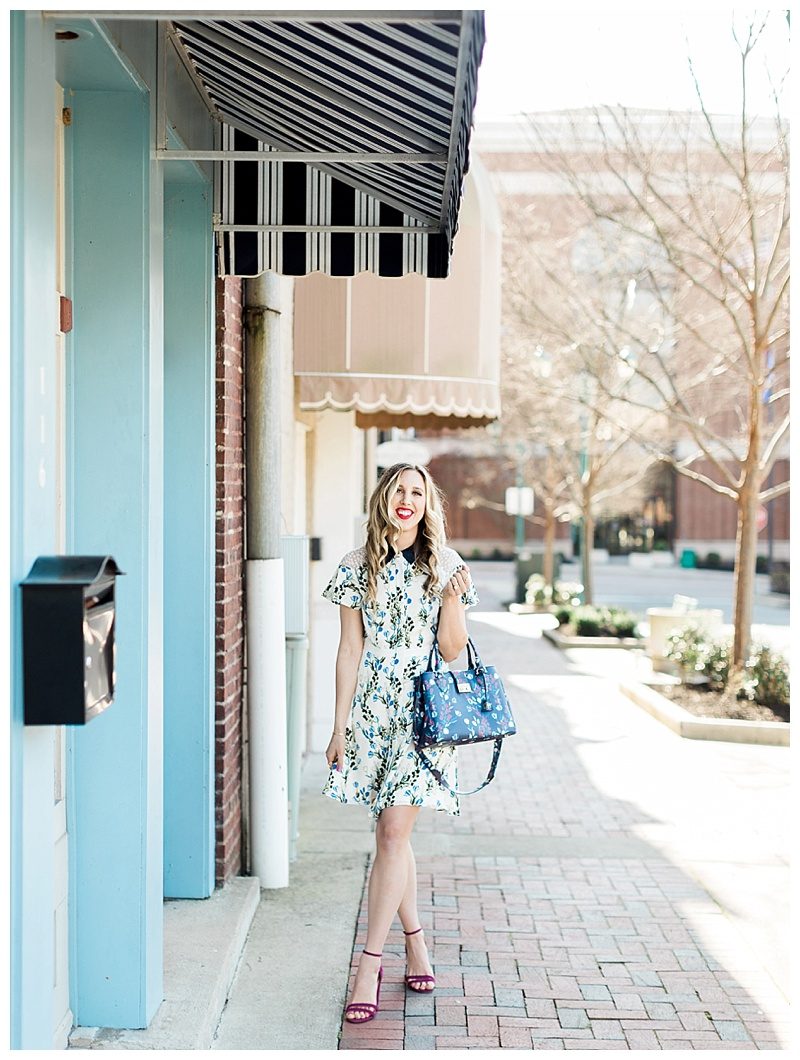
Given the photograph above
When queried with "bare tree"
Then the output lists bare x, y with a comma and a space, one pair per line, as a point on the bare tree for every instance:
686, 240
580, 452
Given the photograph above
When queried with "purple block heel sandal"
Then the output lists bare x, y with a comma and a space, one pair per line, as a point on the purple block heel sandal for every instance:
414, 982
365, 1006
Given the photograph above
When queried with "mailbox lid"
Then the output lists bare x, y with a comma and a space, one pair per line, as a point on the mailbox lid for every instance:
71, 570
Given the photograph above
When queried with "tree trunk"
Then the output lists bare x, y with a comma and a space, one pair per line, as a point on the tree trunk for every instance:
747, 537
549, 544
587, 543
744, 581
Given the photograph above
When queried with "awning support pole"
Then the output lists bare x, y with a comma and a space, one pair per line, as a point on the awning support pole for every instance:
265, 625
161, 87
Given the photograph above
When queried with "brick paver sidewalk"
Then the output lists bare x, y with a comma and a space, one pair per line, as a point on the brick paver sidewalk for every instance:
551, 923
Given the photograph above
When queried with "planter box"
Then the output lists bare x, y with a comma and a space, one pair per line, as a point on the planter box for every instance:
564, 642
689, 726
663, 620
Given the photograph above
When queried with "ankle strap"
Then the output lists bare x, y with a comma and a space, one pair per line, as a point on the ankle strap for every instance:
372, 954
415, 932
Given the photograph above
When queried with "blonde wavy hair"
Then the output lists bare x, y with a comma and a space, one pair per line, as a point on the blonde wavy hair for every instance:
383, 529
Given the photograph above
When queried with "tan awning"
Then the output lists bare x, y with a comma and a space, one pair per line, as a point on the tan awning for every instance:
409, 351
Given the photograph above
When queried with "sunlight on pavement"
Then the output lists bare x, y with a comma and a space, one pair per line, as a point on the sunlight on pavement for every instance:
530, 626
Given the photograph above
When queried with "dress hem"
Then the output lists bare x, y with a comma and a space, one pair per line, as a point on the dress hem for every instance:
370, 806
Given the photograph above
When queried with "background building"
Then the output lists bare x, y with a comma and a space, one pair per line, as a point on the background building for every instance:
665, 507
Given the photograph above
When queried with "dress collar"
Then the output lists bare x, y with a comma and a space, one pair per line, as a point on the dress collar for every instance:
409, 554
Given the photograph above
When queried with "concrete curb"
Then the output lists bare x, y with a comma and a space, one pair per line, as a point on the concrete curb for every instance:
775, 733
203, 941
563, 642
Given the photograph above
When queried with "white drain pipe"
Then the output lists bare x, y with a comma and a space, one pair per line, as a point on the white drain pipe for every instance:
265, 624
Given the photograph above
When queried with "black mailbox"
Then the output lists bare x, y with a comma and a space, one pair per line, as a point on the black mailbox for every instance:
68, 638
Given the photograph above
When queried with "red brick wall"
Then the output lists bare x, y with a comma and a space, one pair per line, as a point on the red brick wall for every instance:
486, 477
702, 514
229, 648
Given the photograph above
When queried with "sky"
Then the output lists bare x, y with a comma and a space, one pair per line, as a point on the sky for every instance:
548, 57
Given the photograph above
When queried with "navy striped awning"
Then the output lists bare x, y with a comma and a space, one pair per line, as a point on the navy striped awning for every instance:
386, 97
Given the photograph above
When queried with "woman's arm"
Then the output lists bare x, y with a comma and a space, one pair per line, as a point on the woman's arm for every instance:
348, 657
452, 637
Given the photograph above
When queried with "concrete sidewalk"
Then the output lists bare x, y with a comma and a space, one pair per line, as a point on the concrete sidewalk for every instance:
615, 887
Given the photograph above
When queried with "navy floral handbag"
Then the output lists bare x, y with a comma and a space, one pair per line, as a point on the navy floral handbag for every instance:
454, 707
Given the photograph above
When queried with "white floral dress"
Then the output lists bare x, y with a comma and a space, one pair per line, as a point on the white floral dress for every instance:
381, 767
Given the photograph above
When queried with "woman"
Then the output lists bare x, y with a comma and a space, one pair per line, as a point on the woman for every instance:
396, 593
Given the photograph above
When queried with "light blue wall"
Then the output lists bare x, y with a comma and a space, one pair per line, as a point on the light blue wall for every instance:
117, 461
33, 515
115, 496
189, 504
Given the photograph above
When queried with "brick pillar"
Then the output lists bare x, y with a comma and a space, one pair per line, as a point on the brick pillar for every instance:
229, 648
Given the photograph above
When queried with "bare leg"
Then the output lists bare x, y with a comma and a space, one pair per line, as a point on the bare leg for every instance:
387, 886
409, 917
416, 950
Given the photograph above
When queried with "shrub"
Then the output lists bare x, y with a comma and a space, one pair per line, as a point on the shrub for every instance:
624, 623
717, 663
564, 614
660, 545
540, 595
687, 647
475, 553
587, 622
762, 564
605, 622
497, 553
766, 678
696, 652
568, 593
713, 560
536, 592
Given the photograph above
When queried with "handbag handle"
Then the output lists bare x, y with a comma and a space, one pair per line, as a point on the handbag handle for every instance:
498, 746
436, 662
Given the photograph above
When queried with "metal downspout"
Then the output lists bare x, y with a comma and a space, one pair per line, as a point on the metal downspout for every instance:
269, 822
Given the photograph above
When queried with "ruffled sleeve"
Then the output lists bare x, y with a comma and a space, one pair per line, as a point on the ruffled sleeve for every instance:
346, 586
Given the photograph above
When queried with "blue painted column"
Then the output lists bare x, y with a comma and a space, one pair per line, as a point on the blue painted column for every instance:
189, 543
115, 498
33, 521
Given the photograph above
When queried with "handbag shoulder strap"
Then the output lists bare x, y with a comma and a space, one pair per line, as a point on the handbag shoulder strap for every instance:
498, 746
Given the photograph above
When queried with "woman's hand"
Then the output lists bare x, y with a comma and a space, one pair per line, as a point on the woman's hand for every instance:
459, 583
335, 752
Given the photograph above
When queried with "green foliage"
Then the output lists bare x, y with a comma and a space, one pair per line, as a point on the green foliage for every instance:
564, 614
696, 652
713, 560
685, 647
625, 623
587, 622
766, 678
605, 622
539, 594
717, 663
